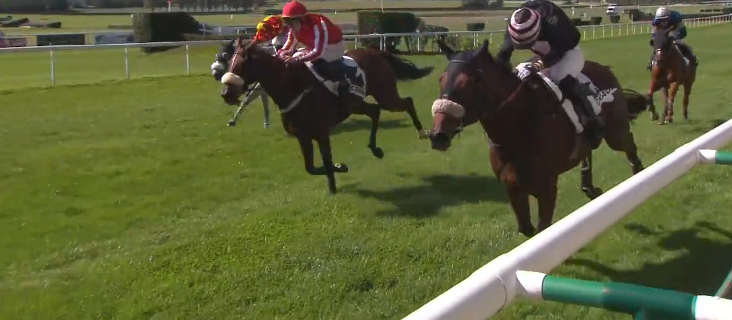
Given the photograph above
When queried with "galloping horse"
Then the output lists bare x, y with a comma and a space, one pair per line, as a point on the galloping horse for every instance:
531, 135
669, 69
218, 69
308, 103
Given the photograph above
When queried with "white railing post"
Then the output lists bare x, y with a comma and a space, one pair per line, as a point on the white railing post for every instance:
53, 67
127, 63
188, 61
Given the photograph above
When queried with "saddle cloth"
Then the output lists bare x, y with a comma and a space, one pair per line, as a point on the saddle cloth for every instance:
355, 76
596, 97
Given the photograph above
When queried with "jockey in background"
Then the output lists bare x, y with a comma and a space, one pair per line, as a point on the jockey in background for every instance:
273, 28
323, 41
542, 27
671, 22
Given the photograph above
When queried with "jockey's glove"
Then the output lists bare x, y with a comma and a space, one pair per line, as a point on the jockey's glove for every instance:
535, 66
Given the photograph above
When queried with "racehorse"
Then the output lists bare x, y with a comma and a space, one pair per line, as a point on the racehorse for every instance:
308, 103
669, 68
218, 69
531, 134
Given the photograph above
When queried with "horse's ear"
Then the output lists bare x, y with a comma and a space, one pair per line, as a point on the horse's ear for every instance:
445, 49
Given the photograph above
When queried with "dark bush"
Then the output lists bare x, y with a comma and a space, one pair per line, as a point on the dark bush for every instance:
614, 19
595, 20
163, 27
477, 26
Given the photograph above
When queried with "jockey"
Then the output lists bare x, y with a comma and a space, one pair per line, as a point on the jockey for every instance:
542, 27
323, 41
273, 28
671, 22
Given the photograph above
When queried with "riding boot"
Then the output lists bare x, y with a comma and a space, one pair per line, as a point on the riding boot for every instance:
339, 77
593, 125
650, 63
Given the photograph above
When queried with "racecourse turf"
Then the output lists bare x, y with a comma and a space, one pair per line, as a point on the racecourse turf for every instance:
133, 200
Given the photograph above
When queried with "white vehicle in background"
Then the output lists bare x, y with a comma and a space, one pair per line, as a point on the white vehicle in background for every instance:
612, 10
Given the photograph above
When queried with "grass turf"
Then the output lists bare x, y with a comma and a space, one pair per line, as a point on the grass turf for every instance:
132, 200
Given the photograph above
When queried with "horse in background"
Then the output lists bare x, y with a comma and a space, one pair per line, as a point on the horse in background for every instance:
670, 69
219, 68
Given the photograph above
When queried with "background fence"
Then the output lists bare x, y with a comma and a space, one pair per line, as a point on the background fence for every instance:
420, 41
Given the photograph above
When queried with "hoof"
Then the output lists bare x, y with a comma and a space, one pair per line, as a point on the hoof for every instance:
654, 116
543, 226
377, 152
423, 134
527, 231
231, 123
592, 193
266, 125
340, 168
637, 169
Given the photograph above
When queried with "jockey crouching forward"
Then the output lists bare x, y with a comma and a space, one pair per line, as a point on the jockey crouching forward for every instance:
271, 28
323, 41
542, 27
671, 22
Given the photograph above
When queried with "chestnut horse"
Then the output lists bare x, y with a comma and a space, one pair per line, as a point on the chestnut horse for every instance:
308, 103
669, 69
531, 136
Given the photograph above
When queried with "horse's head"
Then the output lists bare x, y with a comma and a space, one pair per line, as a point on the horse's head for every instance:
464, 92
248, 63
221, 64
662, 45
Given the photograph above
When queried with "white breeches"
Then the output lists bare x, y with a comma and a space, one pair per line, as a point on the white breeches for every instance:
570, 65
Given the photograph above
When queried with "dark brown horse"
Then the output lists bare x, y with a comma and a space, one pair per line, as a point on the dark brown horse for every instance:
669, 69
309, 109
531, 136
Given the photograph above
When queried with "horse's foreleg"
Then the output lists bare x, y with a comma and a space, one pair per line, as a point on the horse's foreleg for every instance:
373, 111
328, 166
519, 199
664, 93
251, 95
587, 185
671, 99
649, 101
306, 147
265, 103
547, 200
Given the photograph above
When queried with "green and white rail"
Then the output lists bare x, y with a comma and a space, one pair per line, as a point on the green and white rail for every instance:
520, 272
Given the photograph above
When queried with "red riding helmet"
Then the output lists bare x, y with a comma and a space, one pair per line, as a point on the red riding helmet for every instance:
294, 9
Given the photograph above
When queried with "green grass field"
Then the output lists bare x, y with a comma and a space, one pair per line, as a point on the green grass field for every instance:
133, 200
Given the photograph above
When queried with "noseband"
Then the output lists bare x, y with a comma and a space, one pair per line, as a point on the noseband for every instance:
460, 126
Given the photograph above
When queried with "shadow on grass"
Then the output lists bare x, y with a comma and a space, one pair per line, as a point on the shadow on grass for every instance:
701, 270
439, 191
365, 124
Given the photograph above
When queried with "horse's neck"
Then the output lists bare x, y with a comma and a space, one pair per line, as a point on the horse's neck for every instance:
510, 111
278, 81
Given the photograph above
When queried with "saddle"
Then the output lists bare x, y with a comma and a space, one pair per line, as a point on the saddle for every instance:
347, 66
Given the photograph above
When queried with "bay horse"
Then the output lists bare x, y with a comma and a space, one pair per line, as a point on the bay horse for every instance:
669, 69
308, 103
531, 137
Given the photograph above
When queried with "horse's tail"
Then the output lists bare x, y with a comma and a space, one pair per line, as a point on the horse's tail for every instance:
405, 70
636, 103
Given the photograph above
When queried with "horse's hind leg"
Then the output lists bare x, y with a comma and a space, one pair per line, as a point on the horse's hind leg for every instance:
373, 111
626, 143
387, 95
687, 92
649, 101
587, 184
